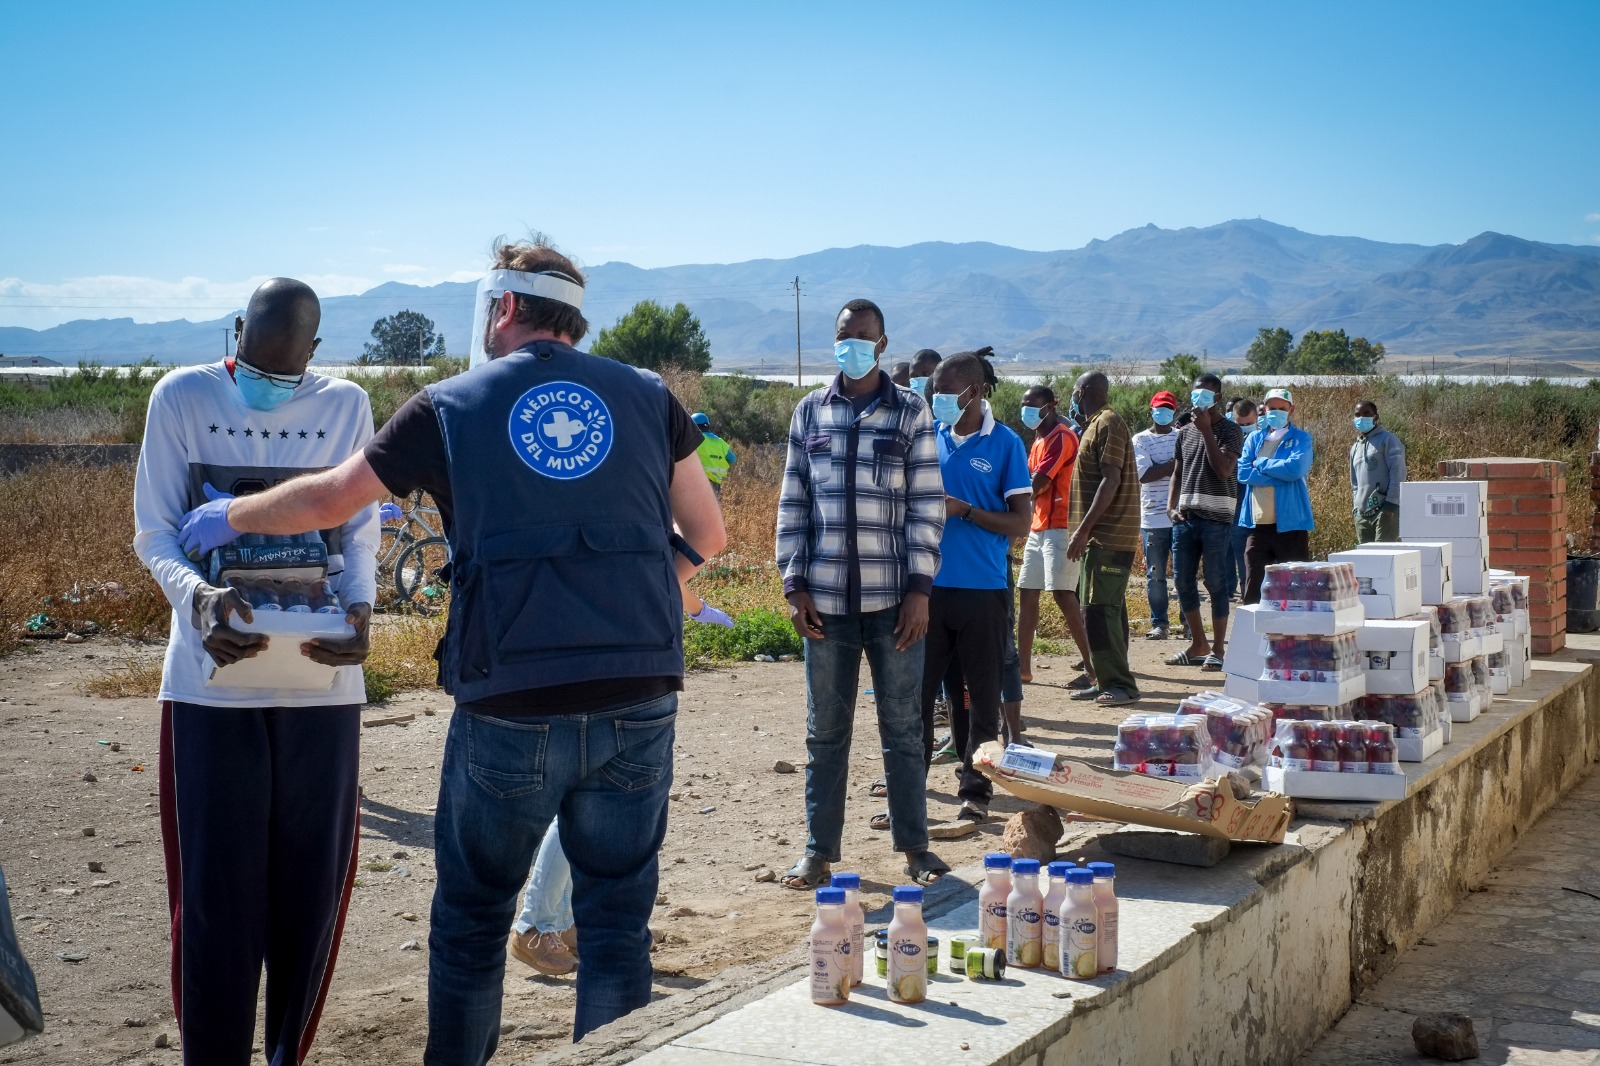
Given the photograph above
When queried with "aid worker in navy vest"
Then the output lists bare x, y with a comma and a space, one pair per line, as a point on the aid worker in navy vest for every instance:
559, 477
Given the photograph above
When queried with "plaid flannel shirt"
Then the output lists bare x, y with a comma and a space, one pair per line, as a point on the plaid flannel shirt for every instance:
862, 506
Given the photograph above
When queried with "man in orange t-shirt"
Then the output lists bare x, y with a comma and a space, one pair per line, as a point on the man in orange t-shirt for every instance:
1045, 566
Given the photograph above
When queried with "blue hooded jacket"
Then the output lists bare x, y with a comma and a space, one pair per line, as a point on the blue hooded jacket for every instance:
1286, 471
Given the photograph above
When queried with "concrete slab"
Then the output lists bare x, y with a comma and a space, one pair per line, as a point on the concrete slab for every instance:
1248, 961
1165, 845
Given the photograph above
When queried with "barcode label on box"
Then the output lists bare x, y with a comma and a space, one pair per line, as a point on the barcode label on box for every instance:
1029, 761
1446, 505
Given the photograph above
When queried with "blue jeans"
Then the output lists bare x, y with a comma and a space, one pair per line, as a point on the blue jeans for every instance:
547, 903
1157, 551
833, 674
501, 785
1235, 563
1197, 542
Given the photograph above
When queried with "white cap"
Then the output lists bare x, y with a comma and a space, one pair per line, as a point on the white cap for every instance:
1279, 394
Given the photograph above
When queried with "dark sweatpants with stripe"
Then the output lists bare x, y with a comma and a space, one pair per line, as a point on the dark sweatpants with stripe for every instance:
259, 816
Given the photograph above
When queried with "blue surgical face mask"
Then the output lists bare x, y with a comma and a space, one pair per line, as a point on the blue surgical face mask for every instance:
1365, 424
1163, 415
1202, 398
1231, 417
1275, 418
262, 391
918, 385
1032, 416
855, 357
947, 407
1075, 412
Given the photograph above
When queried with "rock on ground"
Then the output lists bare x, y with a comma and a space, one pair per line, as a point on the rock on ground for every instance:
1445, 1036
1032, 834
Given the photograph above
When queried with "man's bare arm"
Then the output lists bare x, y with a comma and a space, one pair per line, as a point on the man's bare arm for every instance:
314, 501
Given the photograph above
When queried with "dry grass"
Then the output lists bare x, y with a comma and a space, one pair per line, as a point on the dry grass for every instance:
137, 677
402, 655
70, 531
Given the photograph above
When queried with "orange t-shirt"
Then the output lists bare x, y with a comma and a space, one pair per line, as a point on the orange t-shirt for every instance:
1054, 454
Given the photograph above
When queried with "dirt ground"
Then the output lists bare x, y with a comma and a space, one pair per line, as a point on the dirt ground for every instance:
732, 816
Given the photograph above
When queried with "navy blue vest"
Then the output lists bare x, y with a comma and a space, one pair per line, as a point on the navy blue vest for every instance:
563, 564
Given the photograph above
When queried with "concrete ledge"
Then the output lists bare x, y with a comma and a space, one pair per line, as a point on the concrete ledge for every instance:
1246, 962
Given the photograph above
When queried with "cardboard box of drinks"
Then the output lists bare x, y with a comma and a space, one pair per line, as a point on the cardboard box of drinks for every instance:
1418, 749
1320, 784
1436, 563
1313, 693
1439, 510
1469, 570
1311, 623
281, 665
1390, 579
1205, 807
1397, 652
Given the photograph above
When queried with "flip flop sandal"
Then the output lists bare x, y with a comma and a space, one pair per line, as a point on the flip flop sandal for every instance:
1112, 698
945, 756
810, 871
926, 868
880, 787
1182, 659
1081, 681
879, 822
1085, 694
1210, 664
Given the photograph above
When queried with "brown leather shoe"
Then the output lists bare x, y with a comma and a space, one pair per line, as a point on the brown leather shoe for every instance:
546, 952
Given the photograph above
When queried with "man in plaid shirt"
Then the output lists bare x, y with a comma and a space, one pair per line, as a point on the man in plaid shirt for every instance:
859, 522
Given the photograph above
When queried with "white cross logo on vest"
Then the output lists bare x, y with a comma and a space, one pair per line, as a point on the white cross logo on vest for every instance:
561, 429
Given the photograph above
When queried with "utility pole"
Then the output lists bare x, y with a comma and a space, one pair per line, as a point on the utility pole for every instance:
422, 358
226, 332
799, 374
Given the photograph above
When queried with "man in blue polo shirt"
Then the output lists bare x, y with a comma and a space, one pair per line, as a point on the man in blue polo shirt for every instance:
988, 500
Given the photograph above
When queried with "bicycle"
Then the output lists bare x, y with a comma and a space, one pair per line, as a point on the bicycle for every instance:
418, 563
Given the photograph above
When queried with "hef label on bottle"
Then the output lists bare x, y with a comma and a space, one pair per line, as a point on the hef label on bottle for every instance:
908, 971
1081, 945
1022, 937
992, 924
830, 971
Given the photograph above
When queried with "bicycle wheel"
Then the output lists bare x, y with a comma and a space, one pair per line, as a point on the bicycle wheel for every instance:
416, 574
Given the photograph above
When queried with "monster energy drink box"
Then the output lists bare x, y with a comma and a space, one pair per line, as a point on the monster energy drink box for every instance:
20, 1016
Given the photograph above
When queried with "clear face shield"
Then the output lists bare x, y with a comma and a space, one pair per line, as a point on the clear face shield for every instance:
496, 283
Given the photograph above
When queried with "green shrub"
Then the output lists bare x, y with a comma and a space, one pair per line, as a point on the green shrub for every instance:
758, 632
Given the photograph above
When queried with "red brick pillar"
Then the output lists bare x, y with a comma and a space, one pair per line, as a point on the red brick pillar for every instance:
1594, 498
1527, 534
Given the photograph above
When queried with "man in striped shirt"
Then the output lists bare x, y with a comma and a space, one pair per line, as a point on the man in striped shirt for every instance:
860, 516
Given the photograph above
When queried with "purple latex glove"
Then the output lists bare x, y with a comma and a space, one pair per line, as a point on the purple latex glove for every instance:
206, 527
711, 616
390, 512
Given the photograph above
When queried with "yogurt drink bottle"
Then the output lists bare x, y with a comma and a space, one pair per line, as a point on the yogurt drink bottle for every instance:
855, 920
1105, 901
1024, 920
908, 947
1080, 927
830, 950
1050, 940
992, 900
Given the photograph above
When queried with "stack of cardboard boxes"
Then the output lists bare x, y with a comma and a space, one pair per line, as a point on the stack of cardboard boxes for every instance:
1454, 513
1397, 645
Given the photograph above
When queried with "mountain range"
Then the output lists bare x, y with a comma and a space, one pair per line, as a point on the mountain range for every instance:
1135, 298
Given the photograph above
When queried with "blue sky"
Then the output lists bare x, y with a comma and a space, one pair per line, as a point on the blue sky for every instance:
160, 157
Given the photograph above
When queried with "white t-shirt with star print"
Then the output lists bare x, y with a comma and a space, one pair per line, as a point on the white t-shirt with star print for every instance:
199, 431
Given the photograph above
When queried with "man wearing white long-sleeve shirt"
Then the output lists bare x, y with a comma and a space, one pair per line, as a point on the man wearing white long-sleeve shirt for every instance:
259, 799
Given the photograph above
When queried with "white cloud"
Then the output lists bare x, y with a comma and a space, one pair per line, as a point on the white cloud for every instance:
40, 305
403, 268
1592, 216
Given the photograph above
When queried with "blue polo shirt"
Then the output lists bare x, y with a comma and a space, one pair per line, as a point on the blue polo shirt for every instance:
984, 470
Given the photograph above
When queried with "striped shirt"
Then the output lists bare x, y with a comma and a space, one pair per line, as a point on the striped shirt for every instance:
862, 506
1202, 492
1105, 444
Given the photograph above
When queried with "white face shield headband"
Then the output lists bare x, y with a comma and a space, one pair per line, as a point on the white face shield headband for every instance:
551, 286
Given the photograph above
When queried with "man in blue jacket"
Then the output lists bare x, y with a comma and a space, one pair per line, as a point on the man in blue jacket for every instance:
1274, 464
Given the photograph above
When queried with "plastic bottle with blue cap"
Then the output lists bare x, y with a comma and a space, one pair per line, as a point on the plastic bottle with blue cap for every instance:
908, 947
855, 920
1024, 917
1105, 901
992, 900
1050, 939
1080, 928
830, 950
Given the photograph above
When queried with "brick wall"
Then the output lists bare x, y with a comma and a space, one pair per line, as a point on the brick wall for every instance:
1594, 497
1528, 534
